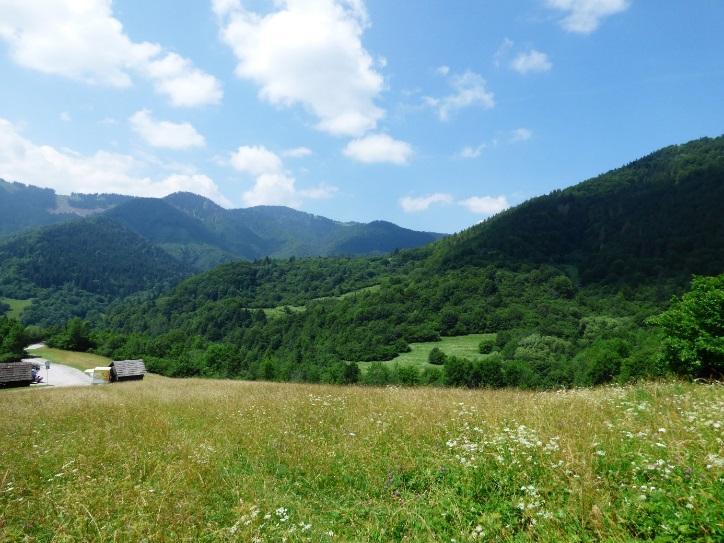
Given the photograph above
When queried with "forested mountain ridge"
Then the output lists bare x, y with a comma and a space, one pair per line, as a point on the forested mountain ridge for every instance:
566, 282
25, 206
657, 217
201, 234
81, 266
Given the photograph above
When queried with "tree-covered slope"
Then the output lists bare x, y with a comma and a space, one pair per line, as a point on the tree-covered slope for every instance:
566, 281
96, 259
658, 217
24, 206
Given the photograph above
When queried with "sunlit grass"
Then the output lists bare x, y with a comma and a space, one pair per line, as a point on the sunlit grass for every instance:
462, 346
79, 361
205, 460
16, 307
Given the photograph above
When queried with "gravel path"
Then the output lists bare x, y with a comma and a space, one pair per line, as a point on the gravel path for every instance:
61, 376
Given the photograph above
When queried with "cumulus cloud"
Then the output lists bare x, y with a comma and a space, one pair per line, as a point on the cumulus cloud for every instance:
256, 160
531, 61
85, 42
469, 89
184, 84
520, 134
308, 53
67, 171
297, 152
164, 133
485, 205
378, 148
584, 16
273, 185
412, 204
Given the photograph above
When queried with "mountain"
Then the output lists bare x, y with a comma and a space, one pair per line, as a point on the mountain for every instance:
657, 217
24, 206
565, 281
200, 233
82, 265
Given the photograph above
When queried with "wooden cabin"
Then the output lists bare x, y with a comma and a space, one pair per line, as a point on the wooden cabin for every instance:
16, 374
127, 370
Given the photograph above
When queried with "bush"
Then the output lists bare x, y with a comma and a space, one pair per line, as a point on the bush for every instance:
487, 345
436, 357
458, 371
694, 329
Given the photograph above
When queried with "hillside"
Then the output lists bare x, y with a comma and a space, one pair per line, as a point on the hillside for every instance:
656, 218
557, 320
25, 206
201, 234
79, 266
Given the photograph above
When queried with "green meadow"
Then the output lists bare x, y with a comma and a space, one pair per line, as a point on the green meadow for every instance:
461, 346
212, 460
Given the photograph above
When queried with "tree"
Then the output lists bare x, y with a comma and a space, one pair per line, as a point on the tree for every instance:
75, 336
350, 374
693, 328
436, 357
486, 345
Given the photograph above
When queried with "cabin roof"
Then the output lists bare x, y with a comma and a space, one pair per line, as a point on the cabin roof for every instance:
128, 368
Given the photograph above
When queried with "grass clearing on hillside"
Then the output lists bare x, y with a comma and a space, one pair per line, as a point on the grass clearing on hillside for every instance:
280, 311
16, 307
205, 460
79, 361
463, 346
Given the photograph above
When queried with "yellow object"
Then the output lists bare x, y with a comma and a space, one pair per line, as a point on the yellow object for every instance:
102, 374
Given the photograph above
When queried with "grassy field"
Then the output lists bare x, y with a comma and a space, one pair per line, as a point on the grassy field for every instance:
80, 361
16, 307
465, 346
203, 460
279, 311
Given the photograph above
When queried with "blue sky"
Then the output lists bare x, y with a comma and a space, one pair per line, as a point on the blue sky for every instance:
431, 114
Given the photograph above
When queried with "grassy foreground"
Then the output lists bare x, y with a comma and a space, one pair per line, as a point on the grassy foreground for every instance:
202, 460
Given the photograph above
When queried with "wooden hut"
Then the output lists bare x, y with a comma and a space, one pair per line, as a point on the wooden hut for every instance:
16, 374
127, 370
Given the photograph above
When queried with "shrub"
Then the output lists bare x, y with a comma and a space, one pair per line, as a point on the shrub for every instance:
694, 329
436, 357
487, 345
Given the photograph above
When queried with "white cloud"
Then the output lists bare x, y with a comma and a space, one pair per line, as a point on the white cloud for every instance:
442, 70
82, 40
503, 51
485, 205
469, 90
256, 160
584, 16
273, 189
67, 171
164, 133
520, 134
273, 185
65, 117
308, 52
472, 152
297, 152
412, 204
378, 148
185, 85
531, 61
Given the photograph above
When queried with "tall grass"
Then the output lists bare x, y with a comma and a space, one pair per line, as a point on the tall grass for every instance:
202, 460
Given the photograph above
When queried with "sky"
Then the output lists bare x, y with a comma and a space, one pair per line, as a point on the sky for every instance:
430, 114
